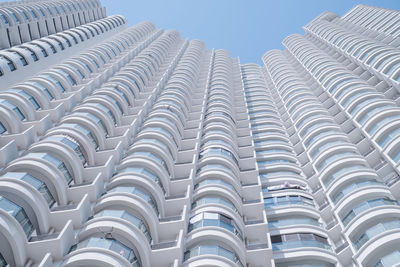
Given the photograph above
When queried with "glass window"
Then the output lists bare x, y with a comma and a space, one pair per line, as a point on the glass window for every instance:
57, 82
28, 97
66, 75
60, 166
36, 183
3, 129
147, 173
10, 64
109, 244
18, 213
69, 141
152, 156
139, 223
3, 262
13, 108
21, 58
5, 20
212, 250
44, 89
138, 192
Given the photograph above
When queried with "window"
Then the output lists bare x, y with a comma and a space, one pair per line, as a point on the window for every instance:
211, 249
109, 244
85, 132
44, 89
33, 54
2, 128
60, 166
57, 82
9, 63
21, 58
289, 241
145, 172
66, 75
287, 200
139, 223
28, 97
14, 108
18, 213
153, 157
42, 50
36, 183
366, 206
69, 141
138, 192
205, 219
5, 20
392, 259
97, 121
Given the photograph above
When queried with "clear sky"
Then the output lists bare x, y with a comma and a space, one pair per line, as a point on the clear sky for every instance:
246, 28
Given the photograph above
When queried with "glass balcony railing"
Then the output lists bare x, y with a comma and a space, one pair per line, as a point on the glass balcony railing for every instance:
352, 187
212, 250
214, 219
300, 244
18, 213
293, 221
109, 244
139, 223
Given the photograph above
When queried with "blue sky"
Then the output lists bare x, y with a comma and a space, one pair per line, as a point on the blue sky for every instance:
246, 28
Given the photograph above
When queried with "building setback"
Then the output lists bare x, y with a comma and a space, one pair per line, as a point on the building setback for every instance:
128, 146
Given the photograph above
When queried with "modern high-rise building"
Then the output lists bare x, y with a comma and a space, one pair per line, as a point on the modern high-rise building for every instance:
128, 146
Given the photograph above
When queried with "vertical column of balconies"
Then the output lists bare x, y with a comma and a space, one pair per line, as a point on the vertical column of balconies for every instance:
362, 111
368, 52
352, 200
23, 61
52, 185
138, 193
226, 203
20, 23
293, 220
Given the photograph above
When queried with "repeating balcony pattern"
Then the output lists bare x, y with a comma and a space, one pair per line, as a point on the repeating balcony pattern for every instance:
128, 146
20, 23
339, 172
367, 109
287, 198
378, 56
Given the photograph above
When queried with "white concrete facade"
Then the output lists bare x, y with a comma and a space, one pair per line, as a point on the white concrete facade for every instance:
128, 146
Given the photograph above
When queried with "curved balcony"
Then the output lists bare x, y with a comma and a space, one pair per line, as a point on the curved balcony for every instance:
293, 221
208, 182
216, 170
302, 247
32, 181
387, 260
214, 219
102, 252
137, 192
352, 186
372, 233
217, 201
123, 214
364, 208
221, 254
127, 170
285, 200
